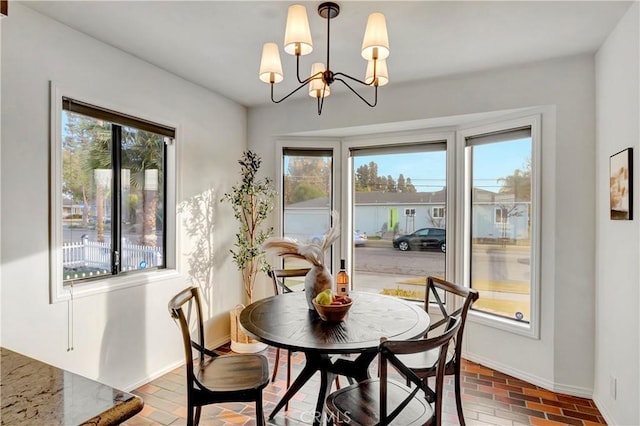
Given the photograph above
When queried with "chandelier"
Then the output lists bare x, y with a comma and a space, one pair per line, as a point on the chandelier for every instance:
297, 41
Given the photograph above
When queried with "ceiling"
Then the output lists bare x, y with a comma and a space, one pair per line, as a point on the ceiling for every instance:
217, 44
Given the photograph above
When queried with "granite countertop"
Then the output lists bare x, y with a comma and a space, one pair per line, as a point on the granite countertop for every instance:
33, 392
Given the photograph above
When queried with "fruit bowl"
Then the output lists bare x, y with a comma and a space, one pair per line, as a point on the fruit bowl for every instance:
332, 313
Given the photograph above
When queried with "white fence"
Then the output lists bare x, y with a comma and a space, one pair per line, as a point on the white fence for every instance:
94, 254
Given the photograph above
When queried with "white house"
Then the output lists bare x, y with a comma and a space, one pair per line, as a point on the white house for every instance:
385, 214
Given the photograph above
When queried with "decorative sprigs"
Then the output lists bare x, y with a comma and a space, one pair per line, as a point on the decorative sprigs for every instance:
252, 201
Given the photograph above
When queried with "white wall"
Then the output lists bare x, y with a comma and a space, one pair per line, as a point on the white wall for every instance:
124, 337
562, 358
617, 242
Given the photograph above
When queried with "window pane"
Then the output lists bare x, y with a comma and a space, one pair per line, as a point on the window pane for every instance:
142, 213
500, 225
86, 197
307, 201
395, 196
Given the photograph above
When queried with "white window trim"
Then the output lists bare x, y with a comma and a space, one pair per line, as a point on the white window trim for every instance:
439, 216
532, 329
456, 264
336, 200
398, 139
504, 220
58, 291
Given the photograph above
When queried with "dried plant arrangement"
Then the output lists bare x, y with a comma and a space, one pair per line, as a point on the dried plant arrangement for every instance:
319, 278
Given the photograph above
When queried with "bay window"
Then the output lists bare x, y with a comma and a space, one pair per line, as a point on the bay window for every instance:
461, 205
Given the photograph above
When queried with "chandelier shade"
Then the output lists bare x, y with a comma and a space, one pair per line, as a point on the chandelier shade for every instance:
381, 73
298, 42
297, 36
270, 65
317, 87
376, 41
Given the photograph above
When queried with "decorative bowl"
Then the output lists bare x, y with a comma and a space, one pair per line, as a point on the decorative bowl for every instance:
332, 313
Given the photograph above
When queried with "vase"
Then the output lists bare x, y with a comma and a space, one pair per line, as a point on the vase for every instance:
317, 280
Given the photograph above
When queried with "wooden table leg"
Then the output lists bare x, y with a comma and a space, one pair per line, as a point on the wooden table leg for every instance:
326, 382
357, 369
313, 363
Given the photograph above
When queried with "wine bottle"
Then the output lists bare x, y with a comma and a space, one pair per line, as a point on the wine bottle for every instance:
342, 280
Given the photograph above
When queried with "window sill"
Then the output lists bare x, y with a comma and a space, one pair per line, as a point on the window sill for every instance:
63, 293
521, 328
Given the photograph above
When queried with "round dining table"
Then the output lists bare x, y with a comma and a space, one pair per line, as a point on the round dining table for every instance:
285, 321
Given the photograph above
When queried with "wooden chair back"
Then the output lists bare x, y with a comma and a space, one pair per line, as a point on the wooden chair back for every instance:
191, 298
389, 349
438, 287
279, 277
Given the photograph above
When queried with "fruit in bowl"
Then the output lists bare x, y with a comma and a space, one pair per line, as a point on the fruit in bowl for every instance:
332, 307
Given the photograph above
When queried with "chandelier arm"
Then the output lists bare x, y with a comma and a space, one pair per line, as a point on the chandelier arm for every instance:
354, 79
304, 83
298, 71
375, 102
320, 104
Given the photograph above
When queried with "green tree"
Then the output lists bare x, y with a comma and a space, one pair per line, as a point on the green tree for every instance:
143, 155
402, 186
373, 181
87, 164
86, 148
409, 186
312, 172
304, 192
518, 183
391, 184
362, 179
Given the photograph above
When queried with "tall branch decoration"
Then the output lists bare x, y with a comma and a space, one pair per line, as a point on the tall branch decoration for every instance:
252, 201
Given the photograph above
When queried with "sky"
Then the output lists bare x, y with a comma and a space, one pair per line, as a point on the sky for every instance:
428, 170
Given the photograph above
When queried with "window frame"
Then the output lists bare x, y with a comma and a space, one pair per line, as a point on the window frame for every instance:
456, 211
59, 291
329, 144
399, 140
439, 210
504, 218
531, 329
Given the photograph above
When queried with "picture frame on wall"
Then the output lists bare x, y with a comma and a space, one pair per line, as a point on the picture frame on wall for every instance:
621, 185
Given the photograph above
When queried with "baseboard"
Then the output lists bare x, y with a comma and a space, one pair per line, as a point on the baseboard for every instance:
212, 345
605, 413
155, 375
527, 377
219, 342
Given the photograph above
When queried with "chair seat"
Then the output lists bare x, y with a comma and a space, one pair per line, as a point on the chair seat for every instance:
359, 404
425, 361
232, 373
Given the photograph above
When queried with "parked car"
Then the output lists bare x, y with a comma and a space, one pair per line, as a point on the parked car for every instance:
359, 238
425, 238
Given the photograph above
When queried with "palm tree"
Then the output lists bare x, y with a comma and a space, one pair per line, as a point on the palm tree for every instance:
143, 155
90, 141
141, 152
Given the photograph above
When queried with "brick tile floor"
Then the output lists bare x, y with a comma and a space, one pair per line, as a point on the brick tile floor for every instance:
489, 398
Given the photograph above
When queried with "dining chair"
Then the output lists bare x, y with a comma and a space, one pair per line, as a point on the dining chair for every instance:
215, 378
385, 401
279, 277
440, 293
